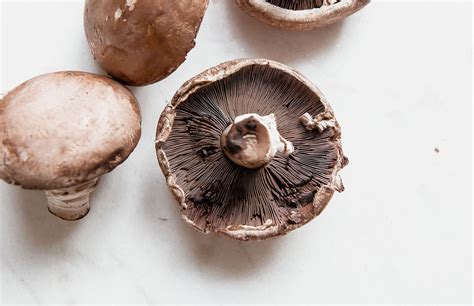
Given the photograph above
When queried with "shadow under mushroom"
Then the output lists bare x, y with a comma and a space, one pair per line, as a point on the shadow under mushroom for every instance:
212, 253
262, 40
225, 257
39, 230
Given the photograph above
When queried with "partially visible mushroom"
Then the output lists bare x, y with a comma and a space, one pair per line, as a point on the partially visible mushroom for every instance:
140, 42
301, 15
239, 154
60, 131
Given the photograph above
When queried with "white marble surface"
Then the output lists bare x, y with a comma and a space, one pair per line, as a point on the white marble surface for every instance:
398, 76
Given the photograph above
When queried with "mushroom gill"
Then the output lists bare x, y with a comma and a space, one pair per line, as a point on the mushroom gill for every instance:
218, 192
298, 5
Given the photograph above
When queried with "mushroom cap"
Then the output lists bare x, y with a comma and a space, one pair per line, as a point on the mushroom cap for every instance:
215, 194
142, 42
64, 128
300, 20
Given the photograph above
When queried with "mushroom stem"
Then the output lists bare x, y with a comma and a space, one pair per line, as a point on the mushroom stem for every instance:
321, 122
71, 203
253, 140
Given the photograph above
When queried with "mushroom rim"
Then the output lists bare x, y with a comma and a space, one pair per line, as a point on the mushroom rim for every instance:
216, 73
300, 20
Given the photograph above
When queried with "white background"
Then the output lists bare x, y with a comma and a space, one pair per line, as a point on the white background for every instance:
398, 76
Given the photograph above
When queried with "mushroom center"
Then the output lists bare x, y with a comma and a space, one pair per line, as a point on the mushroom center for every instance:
253, 140
299, 5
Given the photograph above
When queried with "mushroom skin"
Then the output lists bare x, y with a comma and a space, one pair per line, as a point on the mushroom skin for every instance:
326, 12
60, 131
189, 151
140, 42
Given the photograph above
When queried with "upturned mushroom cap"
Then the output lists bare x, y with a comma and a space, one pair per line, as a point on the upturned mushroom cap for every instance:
218, 195
61, 129
300, 15
140, 42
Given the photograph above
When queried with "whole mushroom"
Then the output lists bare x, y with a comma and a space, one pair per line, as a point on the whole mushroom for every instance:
60, 131
301, 15
140, 42
251, 149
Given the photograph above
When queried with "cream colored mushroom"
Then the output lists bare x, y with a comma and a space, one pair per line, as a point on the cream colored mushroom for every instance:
60, 131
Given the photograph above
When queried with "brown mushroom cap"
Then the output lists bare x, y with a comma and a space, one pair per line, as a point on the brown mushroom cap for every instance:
217, 195
64, 128
142, 42
301, 15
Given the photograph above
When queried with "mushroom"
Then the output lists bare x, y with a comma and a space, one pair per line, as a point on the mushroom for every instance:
142, 42
301, 15
250, 149
60, 131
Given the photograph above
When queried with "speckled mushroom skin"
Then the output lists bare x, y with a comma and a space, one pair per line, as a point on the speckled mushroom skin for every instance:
140, 42
303, 20
61, 129
242, 231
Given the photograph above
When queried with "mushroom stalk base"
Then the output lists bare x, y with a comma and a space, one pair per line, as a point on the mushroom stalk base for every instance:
71, 203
